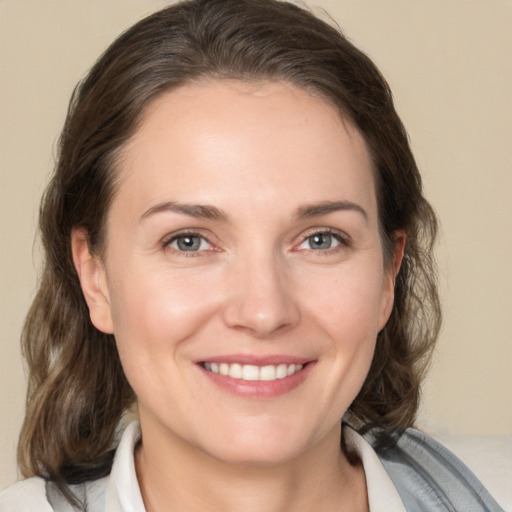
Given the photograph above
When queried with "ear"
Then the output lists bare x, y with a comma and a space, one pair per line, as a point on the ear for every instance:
91, 274
390, 273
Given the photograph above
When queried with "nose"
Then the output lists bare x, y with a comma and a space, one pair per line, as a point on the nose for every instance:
261, 300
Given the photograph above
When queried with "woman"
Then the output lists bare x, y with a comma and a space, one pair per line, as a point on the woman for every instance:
236, 242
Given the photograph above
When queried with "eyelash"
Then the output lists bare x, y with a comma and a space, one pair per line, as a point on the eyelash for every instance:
166, 244
342, 239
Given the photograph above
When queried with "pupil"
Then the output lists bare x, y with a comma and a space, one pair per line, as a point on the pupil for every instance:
189, 243
321, 241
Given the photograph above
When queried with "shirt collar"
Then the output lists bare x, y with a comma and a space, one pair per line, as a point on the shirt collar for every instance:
382, 493
123, 492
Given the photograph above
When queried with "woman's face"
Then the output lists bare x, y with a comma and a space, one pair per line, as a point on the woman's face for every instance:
243, 276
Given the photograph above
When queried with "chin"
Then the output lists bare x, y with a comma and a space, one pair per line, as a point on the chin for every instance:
258, 447
256, 456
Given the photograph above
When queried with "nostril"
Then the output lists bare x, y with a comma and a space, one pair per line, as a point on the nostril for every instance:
260, 320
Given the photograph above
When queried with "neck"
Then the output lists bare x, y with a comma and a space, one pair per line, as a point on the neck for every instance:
176, 476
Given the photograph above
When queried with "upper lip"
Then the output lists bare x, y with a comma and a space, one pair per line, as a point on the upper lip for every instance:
256, 360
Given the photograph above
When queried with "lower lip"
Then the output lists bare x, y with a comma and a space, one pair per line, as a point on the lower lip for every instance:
259, 389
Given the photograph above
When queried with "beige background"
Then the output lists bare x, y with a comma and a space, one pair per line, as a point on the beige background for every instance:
449, 66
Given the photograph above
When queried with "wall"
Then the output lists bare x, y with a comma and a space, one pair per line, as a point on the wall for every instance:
448, 64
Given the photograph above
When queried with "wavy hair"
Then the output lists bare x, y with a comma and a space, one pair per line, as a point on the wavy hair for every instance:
77, 391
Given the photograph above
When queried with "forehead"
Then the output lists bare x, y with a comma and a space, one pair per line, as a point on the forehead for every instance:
262, 142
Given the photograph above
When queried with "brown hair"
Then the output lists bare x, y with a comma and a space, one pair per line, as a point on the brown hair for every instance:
77, 390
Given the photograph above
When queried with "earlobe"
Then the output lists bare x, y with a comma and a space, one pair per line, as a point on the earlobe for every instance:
91, 274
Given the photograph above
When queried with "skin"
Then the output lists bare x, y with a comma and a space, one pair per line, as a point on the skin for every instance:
258, 286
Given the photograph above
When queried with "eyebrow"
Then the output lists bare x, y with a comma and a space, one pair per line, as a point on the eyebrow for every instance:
198, 211
326, 207
209, 212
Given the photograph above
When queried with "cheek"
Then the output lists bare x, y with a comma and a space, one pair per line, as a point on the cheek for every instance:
348, 308
155, 310
352, 322
155, 315
350, 299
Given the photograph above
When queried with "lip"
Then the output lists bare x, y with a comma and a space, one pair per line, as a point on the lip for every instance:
260, 389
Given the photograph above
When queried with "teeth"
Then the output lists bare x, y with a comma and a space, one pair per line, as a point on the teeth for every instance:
235, 371
282, 371
252, 372
268, 373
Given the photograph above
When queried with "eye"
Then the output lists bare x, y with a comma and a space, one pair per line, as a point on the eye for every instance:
321, 241
189, 242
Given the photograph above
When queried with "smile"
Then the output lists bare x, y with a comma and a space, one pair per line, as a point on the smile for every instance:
253, 373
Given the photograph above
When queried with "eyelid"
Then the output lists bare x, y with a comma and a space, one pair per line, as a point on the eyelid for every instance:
341, 236
168, 239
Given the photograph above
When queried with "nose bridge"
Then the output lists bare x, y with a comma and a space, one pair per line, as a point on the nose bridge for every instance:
261, 301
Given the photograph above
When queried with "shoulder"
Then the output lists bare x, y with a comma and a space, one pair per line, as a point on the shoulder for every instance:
424, 471
38, 495
25, 496
489, 457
